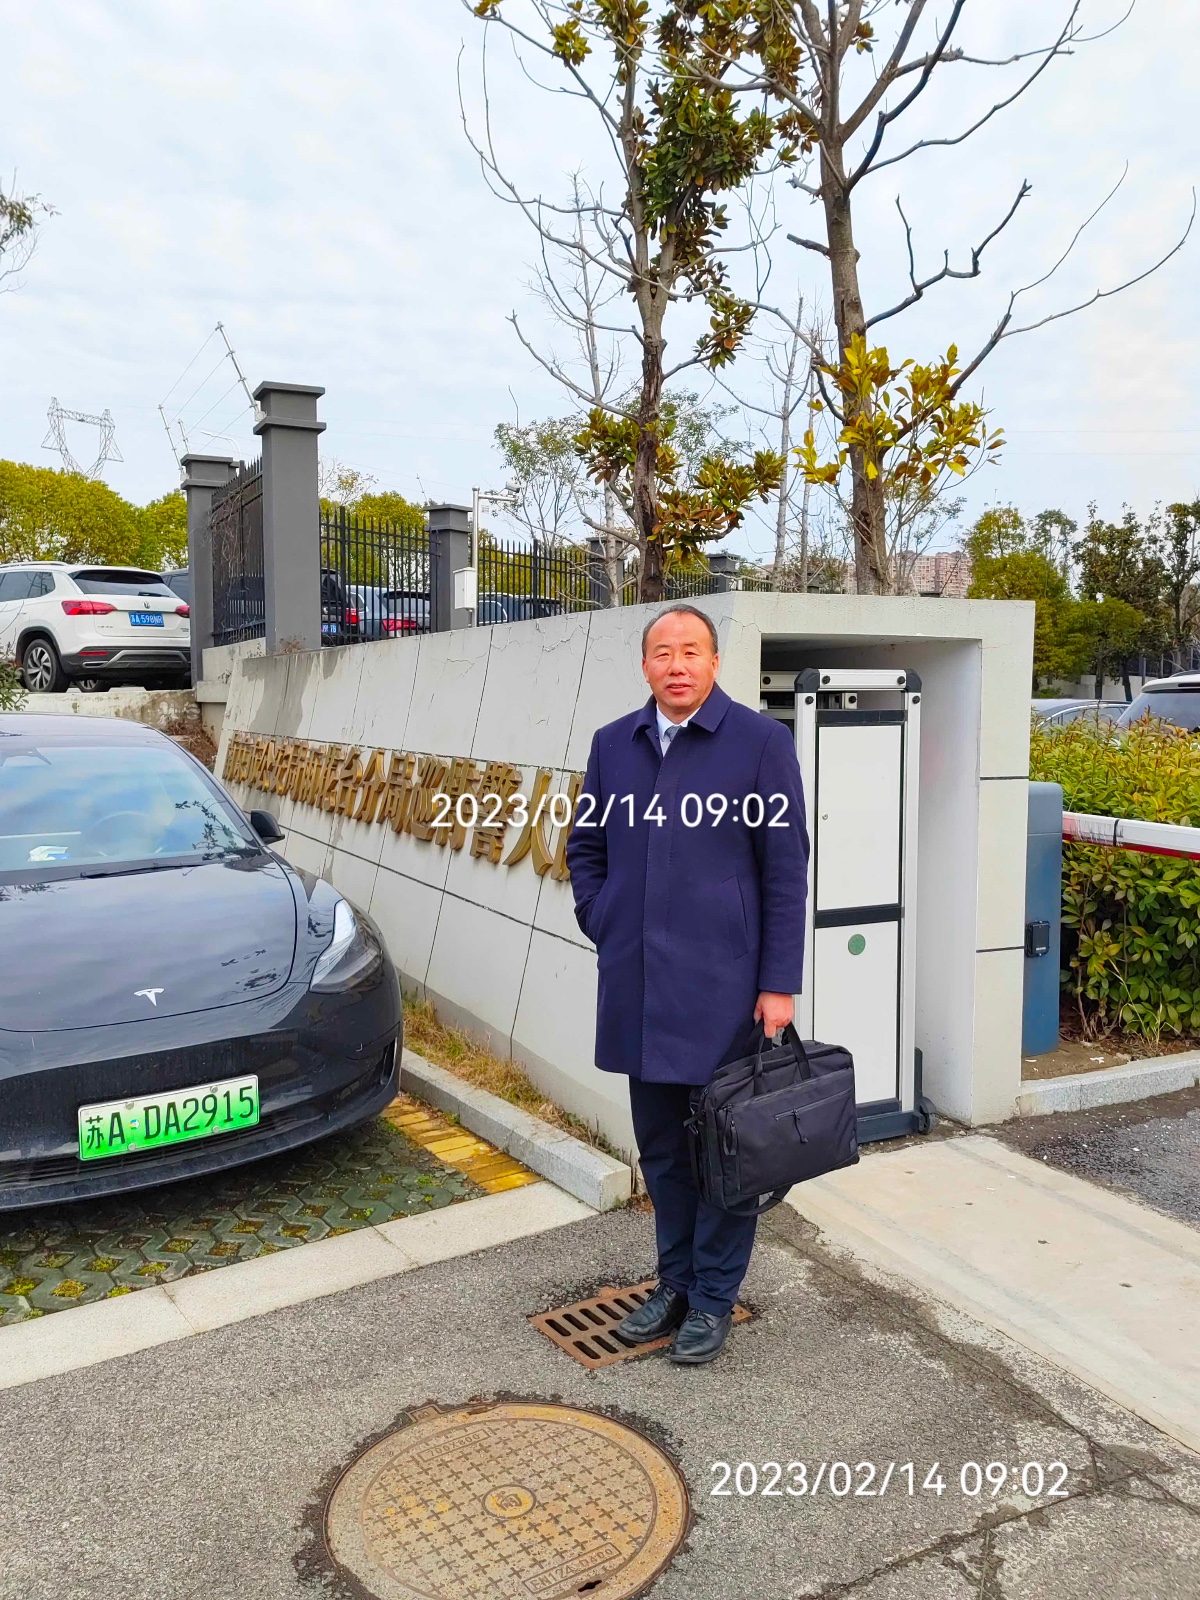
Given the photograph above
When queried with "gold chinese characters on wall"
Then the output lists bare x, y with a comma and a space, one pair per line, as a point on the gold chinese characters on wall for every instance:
444, 800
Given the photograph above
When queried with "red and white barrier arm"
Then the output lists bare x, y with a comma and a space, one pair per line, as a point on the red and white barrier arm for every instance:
1150, 838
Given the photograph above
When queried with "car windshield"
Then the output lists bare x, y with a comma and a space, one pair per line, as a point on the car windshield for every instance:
1180, 706
67, 808
117, 580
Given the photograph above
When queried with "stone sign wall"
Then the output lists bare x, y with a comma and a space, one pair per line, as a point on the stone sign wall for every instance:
352, 748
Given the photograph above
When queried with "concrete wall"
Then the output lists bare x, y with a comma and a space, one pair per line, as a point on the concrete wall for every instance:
212, 688
497, 947
173, 709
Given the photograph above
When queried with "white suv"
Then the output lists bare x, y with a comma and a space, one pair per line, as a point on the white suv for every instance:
66, 622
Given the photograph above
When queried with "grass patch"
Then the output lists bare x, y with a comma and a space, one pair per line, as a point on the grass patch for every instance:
460, 1054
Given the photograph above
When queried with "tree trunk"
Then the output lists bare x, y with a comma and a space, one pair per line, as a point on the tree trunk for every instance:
613, 563
785, 450
804, 537
645, 470
867, 510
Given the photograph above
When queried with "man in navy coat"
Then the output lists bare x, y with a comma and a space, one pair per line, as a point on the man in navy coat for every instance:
689, 866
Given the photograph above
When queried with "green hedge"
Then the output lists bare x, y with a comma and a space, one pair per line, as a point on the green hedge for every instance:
1131, 923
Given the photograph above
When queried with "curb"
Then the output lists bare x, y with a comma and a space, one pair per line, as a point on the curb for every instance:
1111, 1086
597, 1179
106, 1329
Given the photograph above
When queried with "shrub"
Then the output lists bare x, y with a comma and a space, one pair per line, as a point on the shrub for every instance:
12, 690
1131, 922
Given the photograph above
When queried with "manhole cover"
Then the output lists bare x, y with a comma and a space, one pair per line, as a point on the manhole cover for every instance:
508, 1500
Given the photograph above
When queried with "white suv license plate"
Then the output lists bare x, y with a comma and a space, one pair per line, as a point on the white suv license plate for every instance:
146, 619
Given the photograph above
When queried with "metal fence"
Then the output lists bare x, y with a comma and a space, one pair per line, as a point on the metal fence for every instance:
1162, 666
236, 524
696, 582
517, 582
375, 578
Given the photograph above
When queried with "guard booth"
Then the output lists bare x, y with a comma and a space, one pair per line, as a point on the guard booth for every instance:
857, 737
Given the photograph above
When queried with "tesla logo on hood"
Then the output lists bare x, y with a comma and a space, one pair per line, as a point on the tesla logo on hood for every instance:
150, 994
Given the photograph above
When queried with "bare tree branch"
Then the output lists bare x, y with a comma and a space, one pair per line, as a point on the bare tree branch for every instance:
557, 373
886, 118
810, 244
947, 271
1106, 294
891, 68
869, 164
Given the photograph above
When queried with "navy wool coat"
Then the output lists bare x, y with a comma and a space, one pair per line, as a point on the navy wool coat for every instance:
692, 914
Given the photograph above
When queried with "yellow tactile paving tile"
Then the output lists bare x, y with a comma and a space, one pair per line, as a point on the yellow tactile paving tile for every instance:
486, 1166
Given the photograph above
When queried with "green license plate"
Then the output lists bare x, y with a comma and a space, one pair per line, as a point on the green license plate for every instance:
119, 1127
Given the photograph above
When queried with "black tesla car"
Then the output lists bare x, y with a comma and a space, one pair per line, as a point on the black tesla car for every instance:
174, 997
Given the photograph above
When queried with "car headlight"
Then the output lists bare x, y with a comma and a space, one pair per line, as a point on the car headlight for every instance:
350, 956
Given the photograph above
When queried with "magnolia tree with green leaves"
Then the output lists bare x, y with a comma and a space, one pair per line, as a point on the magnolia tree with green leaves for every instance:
653, 226
547, 465
904, 433
846, 79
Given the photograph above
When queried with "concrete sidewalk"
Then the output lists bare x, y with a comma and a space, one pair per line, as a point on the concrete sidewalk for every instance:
1101, 1284
197, 1470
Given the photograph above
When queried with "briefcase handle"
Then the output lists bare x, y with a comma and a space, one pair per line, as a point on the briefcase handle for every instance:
758, 1043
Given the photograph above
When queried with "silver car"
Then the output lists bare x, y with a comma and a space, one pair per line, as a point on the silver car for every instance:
1174, 700
1057, 713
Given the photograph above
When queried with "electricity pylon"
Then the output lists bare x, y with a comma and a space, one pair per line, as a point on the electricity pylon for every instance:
56, 438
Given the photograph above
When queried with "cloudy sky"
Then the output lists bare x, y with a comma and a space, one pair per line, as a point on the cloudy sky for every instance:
297, 170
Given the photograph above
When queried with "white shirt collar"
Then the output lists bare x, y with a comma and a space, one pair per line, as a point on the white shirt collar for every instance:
665, 722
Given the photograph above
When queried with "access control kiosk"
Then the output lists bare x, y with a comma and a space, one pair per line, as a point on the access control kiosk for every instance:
858, 741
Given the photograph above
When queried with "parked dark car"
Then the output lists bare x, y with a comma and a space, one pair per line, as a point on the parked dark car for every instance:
516, 608
181, 582
1174, 700
174, 997
340, 623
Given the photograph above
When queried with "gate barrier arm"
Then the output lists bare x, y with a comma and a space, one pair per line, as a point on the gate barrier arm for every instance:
1149, 838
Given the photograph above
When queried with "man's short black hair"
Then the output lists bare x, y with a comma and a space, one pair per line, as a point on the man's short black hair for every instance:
688, 611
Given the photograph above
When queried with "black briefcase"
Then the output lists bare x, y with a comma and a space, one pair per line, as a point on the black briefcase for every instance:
772, 1118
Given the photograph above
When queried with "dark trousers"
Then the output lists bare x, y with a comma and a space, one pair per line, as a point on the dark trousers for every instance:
702, 1252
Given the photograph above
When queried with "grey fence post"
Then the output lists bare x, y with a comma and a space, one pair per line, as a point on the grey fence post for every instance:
291, 514
721, 565
449, 552
202, 477
599, 583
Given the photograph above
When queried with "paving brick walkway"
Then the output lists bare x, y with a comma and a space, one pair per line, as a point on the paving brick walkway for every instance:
409, 1160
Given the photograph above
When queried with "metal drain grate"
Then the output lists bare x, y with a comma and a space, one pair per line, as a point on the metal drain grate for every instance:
587, 1329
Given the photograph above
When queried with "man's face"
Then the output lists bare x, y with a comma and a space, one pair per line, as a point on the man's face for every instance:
680, 665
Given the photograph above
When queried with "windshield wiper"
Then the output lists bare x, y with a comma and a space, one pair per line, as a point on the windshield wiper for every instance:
120, 869
124, 869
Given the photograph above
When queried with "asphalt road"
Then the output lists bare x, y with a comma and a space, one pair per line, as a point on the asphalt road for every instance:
198, 1470
1150, 1149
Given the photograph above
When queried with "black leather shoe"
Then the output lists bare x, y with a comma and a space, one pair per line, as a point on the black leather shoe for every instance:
701, 1337
663, 1311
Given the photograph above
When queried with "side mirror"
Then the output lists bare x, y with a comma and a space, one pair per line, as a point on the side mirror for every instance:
265, 826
